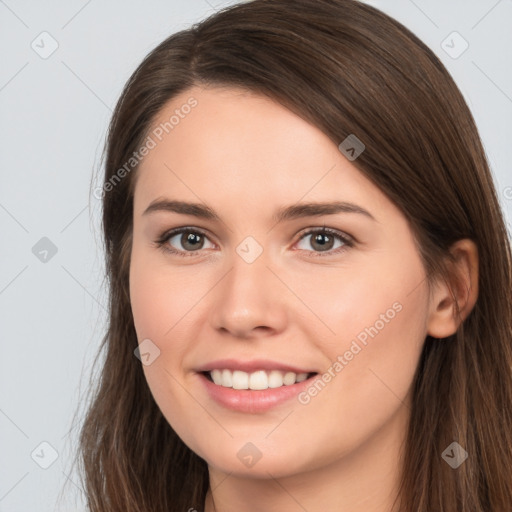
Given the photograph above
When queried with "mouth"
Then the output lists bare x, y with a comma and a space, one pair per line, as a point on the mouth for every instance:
254, 392
257, 380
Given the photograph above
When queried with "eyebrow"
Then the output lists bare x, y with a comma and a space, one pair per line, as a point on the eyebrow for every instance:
284, 213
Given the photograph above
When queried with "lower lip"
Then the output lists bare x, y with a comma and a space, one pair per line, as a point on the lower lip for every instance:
253, 401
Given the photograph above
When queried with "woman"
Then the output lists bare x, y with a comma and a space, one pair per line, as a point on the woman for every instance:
309, 274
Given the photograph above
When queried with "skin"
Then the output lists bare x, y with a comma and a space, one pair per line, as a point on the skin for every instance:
245, 156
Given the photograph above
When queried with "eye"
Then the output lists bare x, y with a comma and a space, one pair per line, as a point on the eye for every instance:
324, 239
190, 239
193, 240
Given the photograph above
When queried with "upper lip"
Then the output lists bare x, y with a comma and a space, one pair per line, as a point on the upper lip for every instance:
251, 366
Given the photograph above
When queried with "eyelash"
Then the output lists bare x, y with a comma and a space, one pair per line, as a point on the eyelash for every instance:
162, 244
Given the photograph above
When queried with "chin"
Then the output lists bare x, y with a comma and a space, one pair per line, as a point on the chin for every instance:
255, 459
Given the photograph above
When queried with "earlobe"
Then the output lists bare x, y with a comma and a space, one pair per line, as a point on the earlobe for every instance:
452, 301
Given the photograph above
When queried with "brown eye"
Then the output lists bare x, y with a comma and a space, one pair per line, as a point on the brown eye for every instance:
191, 241
324, 240
183, 241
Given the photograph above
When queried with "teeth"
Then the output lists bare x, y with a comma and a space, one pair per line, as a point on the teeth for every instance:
227, 379
255, 380
216, 376
258, 380
275, 379
240, 380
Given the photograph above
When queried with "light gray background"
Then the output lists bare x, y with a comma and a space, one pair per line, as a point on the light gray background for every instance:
53, 117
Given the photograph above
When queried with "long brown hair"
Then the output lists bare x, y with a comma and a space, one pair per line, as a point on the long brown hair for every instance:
346, 68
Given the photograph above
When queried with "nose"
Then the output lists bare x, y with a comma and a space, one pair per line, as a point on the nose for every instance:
250, 300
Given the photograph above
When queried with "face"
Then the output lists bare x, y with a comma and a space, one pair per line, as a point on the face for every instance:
249, 284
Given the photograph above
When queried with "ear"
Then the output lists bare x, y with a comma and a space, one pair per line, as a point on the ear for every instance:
461, 291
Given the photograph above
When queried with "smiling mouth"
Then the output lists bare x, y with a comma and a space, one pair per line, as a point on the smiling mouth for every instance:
258, 380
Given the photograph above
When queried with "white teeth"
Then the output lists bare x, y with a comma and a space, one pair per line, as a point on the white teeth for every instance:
227, 380
275, 379
289, 378
240, 380
256, 380
216, 377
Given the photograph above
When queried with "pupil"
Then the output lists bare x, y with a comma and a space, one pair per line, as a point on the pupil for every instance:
192, 238
323, 240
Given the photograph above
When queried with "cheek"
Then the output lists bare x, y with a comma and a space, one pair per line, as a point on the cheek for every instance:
160, 299
377, 317
146, 300
165, 308
159, 311
373, 387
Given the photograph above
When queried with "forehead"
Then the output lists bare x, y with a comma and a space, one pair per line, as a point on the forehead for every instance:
237, 144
